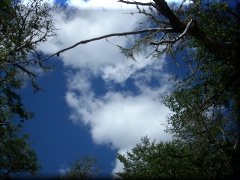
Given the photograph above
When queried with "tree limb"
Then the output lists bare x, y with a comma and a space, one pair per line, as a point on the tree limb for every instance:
109, 35
176, 39
179, 27
138, 3
234, 14
165, 10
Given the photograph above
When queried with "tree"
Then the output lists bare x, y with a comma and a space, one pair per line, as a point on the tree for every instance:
22, 27
169, 160
84, 168
205, 101
16, 157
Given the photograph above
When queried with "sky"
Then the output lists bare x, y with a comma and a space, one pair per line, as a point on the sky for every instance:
96, 101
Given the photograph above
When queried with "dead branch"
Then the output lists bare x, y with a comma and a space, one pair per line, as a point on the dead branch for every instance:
176, 39
138, 3
107, 36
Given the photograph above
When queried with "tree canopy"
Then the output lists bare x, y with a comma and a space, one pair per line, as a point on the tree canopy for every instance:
172, 160
22, 27
16, 157
205, 101
202, 35
86, 167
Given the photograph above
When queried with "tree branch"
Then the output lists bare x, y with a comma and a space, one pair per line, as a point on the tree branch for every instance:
109, 35
138, 3
165, 10
176, 39
234, 14
179, 27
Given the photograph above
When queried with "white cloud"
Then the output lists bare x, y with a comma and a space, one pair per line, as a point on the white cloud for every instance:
118, 165
123, 120
96, 4
106, 4
119, 119
88, 24
116, 118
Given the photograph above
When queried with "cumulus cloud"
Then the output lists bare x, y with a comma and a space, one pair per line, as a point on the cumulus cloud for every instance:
119, 118
116, 116
103, 4
85, 24
120, 115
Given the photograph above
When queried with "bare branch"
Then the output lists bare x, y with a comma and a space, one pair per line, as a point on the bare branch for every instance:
107, 36
138, 3
180, 7
26, 71
176, 39
2, 124
223, 134
234, 14
235, 145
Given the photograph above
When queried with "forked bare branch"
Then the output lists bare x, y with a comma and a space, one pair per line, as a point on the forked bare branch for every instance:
176, 39
109, 35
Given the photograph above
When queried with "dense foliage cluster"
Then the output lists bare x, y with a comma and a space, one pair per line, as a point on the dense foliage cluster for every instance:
205, 102
22, 27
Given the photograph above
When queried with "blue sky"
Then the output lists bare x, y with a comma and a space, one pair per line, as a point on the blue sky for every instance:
96, 101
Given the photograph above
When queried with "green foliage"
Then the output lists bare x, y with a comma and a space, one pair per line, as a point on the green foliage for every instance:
10, 101
22, 28
173, 160
84, 168
16, 157
205, 103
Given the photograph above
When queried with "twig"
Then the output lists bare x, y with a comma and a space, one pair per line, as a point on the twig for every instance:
235, 145
138, 3
176, 39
